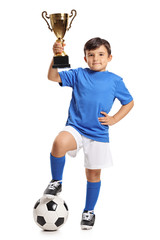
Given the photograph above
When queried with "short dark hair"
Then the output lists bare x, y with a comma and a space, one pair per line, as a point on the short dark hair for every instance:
96, 43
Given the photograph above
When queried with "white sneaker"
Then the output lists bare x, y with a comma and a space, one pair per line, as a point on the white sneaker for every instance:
88, 219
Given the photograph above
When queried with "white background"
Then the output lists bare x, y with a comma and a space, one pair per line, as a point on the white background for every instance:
33, 110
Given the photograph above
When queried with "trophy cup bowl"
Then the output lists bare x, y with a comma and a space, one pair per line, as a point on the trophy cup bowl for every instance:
59, 25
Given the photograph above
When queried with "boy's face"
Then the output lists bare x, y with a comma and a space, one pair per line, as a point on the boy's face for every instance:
98, 58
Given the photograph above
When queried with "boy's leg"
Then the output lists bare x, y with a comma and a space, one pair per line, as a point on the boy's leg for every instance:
57, 166
63, 143
93, 189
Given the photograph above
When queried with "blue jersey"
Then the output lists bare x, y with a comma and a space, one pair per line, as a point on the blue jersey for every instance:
92, 93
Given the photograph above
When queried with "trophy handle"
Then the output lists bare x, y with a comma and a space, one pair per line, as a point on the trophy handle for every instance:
44, 17
73, 14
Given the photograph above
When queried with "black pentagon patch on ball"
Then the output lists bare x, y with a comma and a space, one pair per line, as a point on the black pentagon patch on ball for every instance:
66, 206
41, 220
59, 222
51, 206
36, 204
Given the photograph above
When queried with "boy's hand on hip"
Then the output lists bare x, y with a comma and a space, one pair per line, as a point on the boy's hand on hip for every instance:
106, 120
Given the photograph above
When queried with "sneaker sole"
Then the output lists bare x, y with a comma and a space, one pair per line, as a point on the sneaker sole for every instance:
85, 227
51, 196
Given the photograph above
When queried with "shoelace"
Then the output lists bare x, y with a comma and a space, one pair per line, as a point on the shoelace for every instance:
87, 216
53, 185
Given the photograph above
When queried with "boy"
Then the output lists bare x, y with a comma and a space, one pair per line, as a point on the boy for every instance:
94, 91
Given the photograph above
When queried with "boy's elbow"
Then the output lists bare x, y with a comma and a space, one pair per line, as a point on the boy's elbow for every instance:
54, 78
131, 104
49, 77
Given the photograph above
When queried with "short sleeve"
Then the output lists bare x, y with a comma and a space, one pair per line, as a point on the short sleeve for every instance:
122, 93
68, 78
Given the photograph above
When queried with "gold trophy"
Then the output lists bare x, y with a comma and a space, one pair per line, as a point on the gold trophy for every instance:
59, 25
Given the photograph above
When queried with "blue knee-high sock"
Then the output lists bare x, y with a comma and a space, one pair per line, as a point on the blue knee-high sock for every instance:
93, 189
57, 166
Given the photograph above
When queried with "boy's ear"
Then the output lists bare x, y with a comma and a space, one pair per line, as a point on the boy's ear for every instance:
109, 58
85, 59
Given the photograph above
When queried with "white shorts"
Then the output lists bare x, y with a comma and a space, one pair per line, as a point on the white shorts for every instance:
97, 155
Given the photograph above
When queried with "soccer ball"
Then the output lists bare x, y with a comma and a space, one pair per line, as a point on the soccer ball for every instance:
50, 214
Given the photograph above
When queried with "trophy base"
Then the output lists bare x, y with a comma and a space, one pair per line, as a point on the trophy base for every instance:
61, 62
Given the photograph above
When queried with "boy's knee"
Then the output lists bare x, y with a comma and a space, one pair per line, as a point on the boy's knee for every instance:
93, 175
59, 147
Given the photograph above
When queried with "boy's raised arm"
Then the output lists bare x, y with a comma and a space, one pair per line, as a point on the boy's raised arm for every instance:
53, 74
